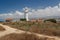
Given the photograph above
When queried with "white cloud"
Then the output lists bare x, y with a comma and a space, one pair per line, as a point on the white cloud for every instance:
48, 11
15, 14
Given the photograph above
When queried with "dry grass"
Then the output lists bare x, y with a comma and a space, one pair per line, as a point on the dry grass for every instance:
22, 37
1, 28
49, 28
46, 31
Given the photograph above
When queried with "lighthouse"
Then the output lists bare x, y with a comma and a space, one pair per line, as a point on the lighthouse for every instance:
26, 10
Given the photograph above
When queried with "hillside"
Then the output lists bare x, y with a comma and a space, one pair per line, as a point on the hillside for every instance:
49, 28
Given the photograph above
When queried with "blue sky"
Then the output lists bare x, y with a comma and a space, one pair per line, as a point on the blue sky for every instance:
38, 8
12, 5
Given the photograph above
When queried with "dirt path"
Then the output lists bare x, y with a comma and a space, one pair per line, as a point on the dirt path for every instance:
10, 30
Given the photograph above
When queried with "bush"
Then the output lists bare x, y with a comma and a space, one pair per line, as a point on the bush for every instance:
51, 20
2, 29
23, 19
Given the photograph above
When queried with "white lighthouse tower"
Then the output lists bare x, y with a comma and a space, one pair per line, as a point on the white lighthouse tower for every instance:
26, 10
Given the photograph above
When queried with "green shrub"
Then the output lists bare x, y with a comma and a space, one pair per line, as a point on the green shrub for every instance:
51, 20
23, 19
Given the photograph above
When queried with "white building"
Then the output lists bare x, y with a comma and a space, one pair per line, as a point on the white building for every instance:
26, 10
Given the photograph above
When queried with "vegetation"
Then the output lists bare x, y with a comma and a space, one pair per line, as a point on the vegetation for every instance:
22, 37
48, 28
51, 20
23, 19
1, 28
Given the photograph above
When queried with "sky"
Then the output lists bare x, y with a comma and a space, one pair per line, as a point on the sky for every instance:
12, 5
38, 8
